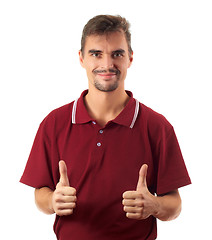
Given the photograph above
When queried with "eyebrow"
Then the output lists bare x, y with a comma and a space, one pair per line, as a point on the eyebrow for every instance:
119, 51
94, 51
99, 51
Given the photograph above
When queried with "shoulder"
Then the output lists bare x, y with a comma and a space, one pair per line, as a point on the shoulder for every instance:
155, 123
62, 112
58, 117
152, 116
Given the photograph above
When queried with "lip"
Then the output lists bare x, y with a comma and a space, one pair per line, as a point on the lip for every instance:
106, 75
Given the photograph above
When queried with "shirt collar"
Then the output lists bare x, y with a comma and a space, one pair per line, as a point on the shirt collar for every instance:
127, 117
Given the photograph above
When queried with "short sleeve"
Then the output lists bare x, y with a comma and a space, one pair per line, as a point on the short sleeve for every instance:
38, 171
172, 173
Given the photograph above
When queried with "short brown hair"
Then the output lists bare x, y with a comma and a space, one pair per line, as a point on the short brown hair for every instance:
103, 24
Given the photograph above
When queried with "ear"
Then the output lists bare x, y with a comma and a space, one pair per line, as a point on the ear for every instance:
81, 58
130, 60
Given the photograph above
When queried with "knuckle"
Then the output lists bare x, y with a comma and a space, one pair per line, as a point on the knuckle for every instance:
128, 202
57, 198
140, 204
70, 191
73, 191
73, 205
139, 195
74, 199
125, 194
68, 212
57, 206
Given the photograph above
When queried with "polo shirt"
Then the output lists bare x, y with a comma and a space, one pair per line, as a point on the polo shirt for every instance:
103, 163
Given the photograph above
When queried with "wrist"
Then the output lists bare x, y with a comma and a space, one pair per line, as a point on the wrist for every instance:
156, 208
168, 206
50, 203
50, 209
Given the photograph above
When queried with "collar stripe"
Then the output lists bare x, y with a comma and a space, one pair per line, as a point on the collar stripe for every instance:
135, 113
132, 123
74, 111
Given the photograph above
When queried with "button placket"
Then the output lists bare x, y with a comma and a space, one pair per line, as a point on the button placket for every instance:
98, 151
100, 138
99, 134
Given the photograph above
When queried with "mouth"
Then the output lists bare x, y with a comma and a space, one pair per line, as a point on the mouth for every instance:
107, 75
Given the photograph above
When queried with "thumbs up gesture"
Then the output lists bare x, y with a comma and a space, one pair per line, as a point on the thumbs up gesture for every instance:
64, 197
140, 204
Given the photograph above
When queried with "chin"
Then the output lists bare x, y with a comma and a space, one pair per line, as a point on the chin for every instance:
103, 88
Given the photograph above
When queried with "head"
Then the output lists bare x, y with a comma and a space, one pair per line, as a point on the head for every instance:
104, 24
106, 51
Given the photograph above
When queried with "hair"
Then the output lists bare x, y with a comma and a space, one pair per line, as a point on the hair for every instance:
103, 24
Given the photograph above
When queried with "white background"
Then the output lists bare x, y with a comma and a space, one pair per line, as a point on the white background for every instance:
40, 71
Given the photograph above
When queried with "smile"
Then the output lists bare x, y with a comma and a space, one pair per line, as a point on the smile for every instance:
107, 75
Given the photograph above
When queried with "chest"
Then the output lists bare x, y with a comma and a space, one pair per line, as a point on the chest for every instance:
112, 155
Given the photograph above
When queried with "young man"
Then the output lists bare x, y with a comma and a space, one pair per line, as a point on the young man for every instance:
121, 163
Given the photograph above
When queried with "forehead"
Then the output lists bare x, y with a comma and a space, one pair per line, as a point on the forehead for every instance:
107, 42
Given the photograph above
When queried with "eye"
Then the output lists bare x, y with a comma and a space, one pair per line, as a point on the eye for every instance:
95, 54
117, 55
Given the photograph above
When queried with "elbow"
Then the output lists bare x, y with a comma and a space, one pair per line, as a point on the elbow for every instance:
171, 206
173, 212
177, 211
172, 215
43, 200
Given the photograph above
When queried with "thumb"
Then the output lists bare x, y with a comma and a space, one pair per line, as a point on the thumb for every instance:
142, 177
63, 174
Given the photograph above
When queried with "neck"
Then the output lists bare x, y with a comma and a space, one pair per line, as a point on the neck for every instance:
105, 106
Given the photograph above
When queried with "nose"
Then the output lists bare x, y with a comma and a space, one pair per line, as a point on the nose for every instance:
107, 61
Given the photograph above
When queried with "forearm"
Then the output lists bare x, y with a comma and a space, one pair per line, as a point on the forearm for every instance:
43, 200
168, 206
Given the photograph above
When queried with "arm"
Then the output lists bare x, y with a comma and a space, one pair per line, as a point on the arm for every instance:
169, 206
62, 201
43, 200
140, 204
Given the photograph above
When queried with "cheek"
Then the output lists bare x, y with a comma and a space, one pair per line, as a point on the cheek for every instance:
122, 65
90, 67
123, 68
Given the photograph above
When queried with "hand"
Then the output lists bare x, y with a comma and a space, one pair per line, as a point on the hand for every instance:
140, 204
64, 197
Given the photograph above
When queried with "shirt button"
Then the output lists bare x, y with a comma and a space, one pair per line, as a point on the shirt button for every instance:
98, 144
94, 122
101, 131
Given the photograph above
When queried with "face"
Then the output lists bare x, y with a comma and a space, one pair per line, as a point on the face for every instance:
106, 60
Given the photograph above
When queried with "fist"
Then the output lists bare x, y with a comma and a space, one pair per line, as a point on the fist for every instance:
64, 197
140, 204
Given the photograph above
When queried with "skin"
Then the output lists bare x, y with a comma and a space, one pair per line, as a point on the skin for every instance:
106, 60
140, 204
62, 201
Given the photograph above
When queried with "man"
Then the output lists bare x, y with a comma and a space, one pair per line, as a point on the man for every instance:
121, 163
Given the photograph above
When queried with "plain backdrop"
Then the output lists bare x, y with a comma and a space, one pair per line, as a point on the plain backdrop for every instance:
40, 71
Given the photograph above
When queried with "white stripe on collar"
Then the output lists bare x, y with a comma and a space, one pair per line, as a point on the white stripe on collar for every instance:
135, 113
132, 123
74, 111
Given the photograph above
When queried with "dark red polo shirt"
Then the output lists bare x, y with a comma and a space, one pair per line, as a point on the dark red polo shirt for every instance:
103, 163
